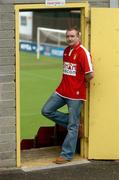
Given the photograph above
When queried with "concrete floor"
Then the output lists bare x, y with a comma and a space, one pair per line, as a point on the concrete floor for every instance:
43, 158
95, 170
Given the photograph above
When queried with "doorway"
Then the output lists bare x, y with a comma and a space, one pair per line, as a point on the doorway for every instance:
32, 79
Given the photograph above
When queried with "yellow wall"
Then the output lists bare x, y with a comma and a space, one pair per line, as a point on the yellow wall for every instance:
104, 90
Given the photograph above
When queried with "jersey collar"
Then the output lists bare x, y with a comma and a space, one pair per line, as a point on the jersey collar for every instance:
75, 46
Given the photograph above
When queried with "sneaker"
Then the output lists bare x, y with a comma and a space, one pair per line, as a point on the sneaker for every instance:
61, 160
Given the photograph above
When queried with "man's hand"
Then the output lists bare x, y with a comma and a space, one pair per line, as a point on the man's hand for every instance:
89, 76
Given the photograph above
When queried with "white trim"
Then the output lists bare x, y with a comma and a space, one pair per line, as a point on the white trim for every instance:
88, 72
70, 52
68, 97
88, 57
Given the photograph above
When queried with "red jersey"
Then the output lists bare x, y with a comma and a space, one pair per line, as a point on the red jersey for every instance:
76, 63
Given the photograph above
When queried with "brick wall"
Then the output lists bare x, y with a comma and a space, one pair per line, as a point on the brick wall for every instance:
7, 86
99, 3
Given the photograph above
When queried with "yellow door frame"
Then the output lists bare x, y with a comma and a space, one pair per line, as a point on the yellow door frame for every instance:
84, 7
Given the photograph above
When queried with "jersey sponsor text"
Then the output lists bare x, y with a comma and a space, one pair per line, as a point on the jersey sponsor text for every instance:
69, 69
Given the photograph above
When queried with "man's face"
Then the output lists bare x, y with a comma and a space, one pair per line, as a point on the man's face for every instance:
72, 37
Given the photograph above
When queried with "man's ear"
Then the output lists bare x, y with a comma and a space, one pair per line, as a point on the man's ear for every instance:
80, 36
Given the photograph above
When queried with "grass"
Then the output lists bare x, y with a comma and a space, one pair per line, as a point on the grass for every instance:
38, 80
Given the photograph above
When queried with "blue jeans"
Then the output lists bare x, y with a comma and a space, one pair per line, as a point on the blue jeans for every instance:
69, 120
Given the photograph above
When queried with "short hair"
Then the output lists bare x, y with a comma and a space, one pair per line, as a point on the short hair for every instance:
74, 28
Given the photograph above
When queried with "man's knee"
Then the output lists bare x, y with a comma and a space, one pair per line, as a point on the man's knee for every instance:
44, 111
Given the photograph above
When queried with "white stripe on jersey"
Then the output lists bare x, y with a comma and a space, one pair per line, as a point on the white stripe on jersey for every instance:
88, 57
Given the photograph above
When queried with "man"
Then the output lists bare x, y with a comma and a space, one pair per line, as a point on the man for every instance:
77, 71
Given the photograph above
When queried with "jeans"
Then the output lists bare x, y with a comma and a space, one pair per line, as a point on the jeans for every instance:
69, 120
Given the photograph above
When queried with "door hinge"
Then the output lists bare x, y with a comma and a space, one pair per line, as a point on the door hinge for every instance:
87, 19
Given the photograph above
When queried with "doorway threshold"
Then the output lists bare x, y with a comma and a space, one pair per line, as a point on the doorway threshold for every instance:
42, 158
